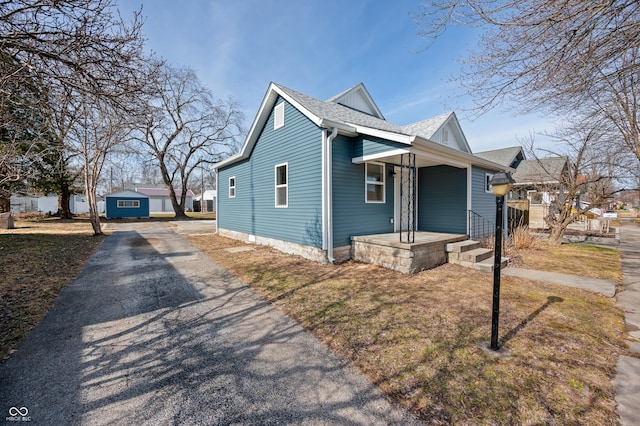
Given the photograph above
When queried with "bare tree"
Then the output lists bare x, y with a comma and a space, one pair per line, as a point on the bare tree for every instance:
580, 174
54, 47
100, 128
185, 128
21, 128
562, 56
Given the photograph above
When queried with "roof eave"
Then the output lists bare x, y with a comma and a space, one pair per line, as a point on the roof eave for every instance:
461, 155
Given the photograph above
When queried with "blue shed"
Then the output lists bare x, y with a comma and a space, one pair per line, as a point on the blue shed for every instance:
126, 204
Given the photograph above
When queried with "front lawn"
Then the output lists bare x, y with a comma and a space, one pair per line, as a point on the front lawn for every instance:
416, 336
37, 260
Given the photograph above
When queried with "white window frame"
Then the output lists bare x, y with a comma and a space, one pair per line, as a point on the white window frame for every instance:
488, 188
279, 186
383, 183
445, 136
278, 116
122, 204
232, 187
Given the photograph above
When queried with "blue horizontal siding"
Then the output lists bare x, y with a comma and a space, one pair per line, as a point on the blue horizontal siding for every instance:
363, 146
442, 199
482, 203
253, 211
351, 214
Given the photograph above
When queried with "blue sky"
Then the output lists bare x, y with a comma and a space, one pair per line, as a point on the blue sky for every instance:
322, 47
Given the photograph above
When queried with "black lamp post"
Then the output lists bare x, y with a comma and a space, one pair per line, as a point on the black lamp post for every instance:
501, 184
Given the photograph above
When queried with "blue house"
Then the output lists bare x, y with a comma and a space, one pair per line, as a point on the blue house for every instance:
316, 178
126, 204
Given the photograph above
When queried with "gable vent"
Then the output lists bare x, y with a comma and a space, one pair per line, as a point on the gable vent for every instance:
279, 116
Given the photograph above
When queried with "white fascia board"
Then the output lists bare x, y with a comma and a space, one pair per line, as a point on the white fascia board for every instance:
461, 157
258, 122
450, 160
261, 118
230, 160
371, 157
454, 118
383, 134
314, 118
343, 128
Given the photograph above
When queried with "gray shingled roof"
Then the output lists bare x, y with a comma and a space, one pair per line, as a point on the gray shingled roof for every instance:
336, 112
427, 128
502, 156
540, 171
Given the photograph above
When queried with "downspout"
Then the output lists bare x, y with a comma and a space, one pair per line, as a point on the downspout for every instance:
328, 184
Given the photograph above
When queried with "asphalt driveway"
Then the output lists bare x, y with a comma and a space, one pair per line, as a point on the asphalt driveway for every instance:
155, 332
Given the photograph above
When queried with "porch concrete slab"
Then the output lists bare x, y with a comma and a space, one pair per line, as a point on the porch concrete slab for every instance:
598, 285
421, 238
427, 251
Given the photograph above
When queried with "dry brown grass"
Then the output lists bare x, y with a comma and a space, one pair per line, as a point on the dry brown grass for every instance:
416, 336
38, 259
578, 259
522, 238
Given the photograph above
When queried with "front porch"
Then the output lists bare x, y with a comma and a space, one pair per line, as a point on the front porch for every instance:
427, 251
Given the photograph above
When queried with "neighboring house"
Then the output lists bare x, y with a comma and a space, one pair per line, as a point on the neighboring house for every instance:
23, 203
160, 202
539, 181
209, 203
48, 204
312, 174
510, 157
126, 204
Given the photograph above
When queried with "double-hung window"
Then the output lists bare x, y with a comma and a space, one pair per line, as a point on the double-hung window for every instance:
282, 185
374, 182
232, 187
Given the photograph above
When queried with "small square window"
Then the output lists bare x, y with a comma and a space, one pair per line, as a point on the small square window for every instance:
374, 183
232, 187
278, 119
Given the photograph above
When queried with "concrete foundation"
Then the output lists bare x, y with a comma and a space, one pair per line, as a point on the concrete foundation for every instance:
428, 250
308, 252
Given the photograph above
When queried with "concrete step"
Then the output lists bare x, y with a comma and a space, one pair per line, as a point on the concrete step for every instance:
487, 264
476, 255
462, 246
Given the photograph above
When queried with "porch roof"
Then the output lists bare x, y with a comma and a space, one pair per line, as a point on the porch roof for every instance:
430, 153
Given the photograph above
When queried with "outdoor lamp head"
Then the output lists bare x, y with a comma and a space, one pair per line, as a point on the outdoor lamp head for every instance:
501, 183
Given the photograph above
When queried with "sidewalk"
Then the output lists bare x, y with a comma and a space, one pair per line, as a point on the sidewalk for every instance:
627, 381
605, 287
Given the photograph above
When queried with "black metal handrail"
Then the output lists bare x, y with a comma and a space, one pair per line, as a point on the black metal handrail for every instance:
479, 227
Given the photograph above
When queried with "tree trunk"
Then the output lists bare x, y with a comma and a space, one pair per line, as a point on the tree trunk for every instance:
178, 210
64, 198
556, 234
94, 215
5, 203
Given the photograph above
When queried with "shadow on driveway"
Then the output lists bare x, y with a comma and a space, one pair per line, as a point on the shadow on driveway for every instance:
155, 332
